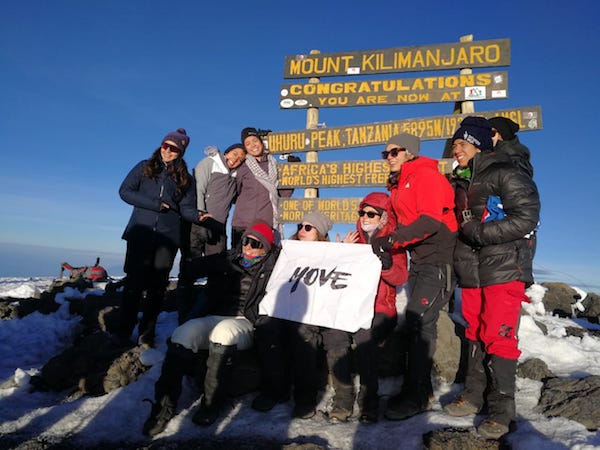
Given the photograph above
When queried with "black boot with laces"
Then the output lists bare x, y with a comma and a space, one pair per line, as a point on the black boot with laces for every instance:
161, 413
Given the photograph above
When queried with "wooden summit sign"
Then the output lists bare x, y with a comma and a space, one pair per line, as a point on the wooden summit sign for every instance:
456, 55
339, 210
378, 133
341, 174
432, 89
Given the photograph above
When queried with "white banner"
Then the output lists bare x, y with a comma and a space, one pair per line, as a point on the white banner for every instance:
327, 284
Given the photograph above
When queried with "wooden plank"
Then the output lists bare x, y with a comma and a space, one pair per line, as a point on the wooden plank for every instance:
432, 89
339, 210
341, 173
529, 118
455, 55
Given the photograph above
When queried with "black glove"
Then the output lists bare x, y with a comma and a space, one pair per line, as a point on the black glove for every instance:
382, 244
468, 230
292, 158
386, 260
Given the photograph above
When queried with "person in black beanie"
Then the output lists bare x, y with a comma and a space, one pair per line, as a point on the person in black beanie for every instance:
257, 188
504, 135
497, 206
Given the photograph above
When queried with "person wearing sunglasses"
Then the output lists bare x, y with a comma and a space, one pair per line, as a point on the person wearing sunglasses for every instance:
160, 189
423, 202
493, 261
207, 346
215, 182
314, 227
257, 187
288, 351
375, 218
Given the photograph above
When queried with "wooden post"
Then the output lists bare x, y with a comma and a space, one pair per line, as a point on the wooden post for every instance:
460, 107
466, 106
312, 121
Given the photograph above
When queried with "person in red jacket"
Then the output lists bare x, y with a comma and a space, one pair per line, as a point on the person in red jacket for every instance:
423, 201
375, 218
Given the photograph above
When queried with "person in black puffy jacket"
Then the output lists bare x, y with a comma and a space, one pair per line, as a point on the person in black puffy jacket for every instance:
162, 193
497, 208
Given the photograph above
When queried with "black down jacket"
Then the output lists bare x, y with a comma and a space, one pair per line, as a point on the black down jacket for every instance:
233, 290
496, 251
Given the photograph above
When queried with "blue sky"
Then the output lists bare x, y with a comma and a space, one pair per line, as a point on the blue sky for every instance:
90, 88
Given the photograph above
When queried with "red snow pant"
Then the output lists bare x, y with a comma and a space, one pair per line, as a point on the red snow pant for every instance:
492, 313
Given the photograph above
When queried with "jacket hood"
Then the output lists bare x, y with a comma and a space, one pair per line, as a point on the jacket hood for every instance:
382, 201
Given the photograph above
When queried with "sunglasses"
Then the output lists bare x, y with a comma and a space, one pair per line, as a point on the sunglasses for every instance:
370, 214
254, 243
307, 227
171, 148
394, 152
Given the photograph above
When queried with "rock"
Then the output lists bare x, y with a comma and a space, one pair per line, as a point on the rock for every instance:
534, 369
591, 304
541, 326
17, 308
126, 369
445, 360
459, 439
558, 299
574, 399
448, 349
84, 366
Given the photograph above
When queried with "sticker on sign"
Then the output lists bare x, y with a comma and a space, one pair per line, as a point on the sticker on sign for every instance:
287, 103
475, 93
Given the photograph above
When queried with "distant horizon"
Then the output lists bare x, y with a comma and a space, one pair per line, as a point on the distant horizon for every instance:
29, 260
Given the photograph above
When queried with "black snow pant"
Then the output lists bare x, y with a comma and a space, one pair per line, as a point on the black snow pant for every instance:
287, 353
147, 265
430, 288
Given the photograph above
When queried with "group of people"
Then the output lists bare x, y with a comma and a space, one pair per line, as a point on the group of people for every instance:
475, 230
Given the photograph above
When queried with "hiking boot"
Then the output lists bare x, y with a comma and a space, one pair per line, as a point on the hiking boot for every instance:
406, 408
302, 411
368, 417
339, 414
160, 415
206, 415
265, 402
490, 429
461, 407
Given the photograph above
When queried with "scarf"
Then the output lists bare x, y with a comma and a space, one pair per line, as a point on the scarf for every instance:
268, 180
249, 261
463, 172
